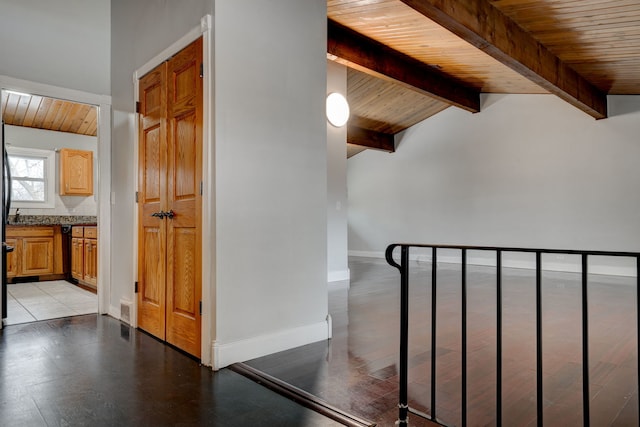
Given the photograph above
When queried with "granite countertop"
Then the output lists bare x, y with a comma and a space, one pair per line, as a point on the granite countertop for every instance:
52, 219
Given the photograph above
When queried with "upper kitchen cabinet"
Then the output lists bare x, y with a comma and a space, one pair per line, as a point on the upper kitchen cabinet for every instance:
76, 172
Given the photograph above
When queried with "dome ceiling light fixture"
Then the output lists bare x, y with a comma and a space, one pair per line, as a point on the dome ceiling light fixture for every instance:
337, 109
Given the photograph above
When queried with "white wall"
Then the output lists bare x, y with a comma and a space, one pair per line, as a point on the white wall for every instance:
527, 171
337, 256
271, 172
18, 136
270, 178
62, 43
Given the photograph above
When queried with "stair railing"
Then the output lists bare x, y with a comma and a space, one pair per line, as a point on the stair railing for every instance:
403, 267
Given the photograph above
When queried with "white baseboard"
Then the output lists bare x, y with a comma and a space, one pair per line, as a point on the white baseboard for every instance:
338, 276
367, 254
597, 265
225, 354
341, 285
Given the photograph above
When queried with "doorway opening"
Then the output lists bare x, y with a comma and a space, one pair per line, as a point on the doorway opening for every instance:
50, 208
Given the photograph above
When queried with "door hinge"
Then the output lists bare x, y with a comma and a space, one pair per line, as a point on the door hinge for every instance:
200, 308
201, 188
136, 287
137, 196
201, 70
137, 106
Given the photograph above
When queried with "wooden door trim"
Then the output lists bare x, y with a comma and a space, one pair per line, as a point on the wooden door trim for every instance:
204, 30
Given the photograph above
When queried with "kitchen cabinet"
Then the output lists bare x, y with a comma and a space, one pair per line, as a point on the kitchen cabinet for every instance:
12, 258
84, 255
76, 172
37, 251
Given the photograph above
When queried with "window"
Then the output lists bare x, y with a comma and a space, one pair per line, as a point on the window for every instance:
32, 177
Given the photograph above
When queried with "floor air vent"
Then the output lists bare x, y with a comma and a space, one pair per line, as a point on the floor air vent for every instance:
125, 311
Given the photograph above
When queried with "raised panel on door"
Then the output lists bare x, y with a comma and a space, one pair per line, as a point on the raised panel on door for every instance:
183, 296
37, 255
152, 283
184, 241
152, 199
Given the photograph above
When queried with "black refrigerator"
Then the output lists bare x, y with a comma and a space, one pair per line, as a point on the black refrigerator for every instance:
6, 205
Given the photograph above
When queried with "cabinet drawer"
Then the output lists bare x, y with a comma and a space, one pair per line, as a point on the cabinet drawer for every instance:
91, 232
77, 232
29, 231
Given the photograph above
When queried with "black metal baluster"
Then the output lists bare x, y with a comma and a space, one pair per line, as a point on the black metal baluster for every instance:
434, 264
403, 405
585, 344
539, 401
498, 338
464, 337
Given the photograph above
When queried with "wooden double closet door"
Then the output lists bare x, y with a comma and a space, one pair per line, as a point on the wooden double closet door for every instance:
170, 200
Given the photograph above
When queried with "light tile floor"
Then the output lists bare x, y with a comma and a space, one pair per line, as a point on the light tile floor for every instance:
29, 302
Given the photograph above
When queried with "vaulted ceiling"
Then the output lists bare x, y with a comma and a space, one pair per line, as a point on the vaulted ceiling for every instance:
410, 59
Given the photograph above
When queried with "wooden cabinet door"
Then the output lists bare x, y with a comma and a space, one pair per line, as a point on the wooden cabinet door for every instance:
13, 257
37, 256
169, 180
76, 172
91, 261
77, 258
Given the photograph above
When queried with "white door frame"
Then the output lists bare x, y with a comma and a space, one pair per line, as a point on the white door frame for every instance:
208, 230
103, 102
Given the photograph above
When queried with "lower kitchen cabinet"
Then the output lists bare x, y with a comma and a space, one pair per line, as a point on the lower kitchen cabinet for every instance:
84, 255
37, 251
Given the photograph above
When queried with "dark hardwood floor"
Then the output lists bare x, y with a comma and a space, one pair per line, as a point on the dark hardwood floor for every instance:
357, 369
95, 371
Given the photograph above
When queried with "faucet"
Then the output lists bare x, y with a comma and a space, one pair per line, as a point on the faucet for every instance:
17, 216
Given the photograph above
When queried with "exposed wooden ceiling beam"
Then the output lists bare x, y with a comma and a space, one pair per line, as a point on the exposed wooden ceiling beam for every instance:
375, 58
485, 27
370, 138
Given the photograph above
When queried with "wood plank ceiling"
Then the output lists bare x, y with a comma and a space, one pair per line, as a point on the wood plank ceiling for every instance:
579, 50
49, 114
600, 39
